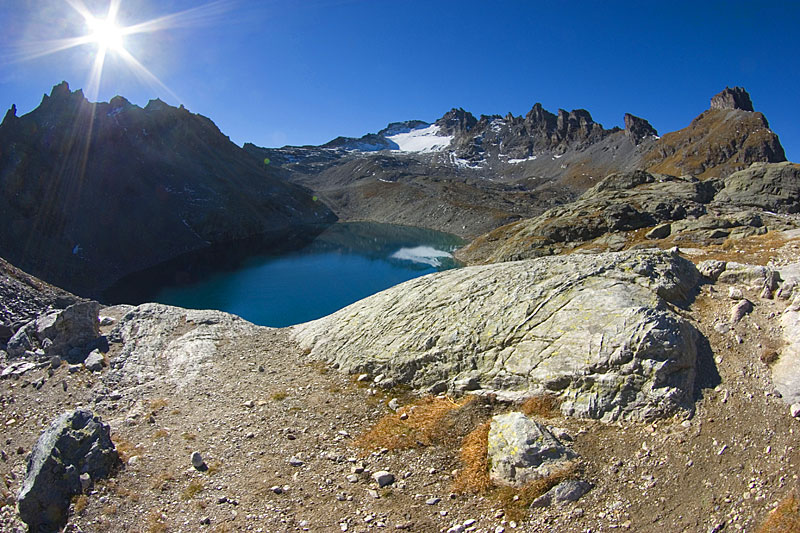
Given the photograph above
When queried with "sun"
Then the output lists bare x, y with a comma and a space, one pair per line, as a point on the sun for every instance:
106, 33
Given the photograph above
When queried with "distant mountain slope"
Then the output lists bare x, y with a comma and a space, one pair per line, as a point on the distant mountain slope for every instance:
91, 192
469, 175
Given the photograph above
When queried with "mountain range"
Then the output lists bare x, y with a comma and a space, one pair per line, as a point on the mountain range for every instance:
95, 191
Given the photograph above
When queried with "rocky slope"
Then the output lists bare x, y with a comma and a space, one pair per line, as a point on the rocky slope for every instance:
91, 192
468, 175
287, 444
644, 209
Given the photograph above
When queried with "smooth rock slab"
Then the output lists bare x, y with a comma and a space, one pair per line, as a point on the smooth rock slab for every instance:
522, 450
786, 370
595, 330
76, 443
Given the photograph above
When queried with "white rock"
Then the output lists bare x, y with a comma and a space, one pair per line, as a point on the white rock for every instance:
794, 410
197, 460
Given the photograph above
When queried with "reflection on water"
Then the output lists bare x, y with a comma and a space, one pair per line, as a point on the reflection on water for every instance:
283, 280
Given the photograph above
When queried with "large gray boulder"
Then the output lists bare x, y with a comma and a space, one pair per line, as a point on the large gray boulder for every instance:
76, 443
58, 332
522, 450
595, 330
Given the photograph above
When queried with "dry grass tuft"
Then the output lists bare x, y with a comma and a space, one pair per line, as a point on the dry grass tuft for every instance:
544, 405
155, 522
125, 448
474, 474
426, 424
81, 501
279, 396
785, 518
195, 487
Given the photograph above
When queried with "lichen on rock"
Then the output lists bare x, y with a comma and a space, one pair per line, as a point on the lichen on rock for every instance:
595, 330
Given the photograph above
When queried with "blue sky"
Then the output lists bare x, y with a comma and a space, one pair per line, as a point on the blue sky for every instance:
306, 71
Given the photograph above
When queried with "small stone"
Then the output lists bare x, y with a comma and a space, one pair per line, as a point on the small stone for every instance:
458, 528
383, 478
205, 521
470, 522
373, 493
249, 404
499, 529
86, 481
197, 460
794, 410
362, 377
432, 501
295, 461
277, 489
55, 362
352, 478
74, 368
394, 404
739, 310
404, 416
95, 361
106, 321
735, 293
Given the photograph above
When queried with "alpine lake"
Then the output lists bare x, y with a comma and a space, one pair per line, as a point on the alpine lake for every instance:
286, 279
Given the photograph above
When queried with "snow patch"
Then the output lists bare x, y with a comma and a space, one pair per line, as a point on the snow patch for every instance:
516, 161
464, 163
426, 255
421, 140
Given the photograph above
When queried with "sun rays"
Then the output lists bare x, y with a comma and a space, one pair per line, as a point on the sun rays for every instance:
105, 32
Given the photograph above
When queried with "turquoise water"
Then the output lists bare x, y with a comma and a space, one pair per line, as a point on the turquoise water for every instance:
307, 279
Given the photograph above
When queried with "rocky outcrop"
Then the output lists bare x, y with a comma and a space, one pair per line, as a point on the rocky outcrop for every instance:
728, 137
25, 297
736, 98
74, 451
67, 333
770, 187
594, 330
522, 450
160, 342
94, 191
697, 213
638, 129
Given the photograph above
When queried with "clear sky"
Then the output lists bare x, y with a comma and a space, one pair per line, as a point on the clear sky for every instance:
305, 71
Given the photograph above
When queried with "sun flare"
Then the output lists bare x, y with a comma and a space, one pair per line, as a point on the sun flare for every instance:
106, 33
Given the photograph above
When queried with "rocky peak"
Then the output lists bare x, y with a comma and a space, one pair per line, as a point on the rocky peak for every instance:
11, 114
456, 121
736, 98
637, 129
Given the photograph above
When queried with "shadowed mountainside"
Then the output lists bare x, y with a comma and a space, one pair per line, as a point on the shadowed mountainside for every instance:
91, 192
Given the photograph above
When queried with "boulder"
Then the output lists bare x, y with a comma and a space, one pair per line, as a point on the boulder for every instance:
785, 373
70, 328
594, 330
570, 490
522, 450
95, 361
76, 443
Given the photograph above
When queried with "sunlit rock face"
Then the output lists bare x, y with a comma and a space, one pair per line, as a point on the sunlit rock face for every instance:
594, 330
92, 192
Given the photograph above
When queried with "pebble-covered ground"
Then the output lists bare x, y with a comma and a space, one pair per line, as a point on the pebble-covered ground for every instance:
278, 435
